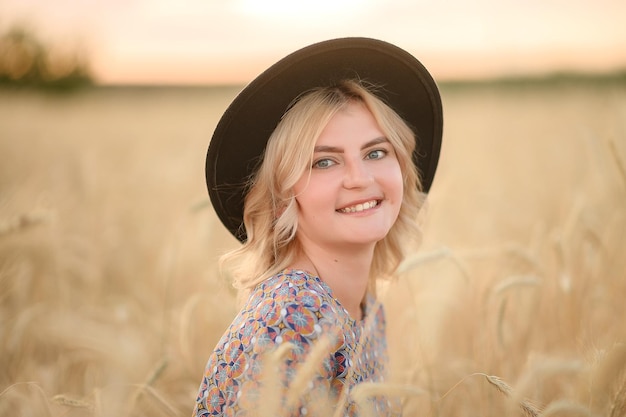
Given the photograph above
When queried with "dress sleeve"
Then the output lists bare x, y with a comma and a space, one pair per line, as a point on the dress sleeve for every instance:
279, 352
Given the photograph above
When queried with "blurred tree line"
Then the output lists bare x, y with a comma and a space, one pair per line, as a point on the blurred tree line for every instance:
25, 60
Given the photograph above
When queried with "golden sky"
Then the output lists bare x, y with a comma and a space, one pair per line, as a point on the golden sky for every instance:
231, 41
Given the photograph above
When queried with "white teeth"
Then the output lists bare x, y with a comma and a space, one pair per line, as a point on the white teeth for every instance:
360, 207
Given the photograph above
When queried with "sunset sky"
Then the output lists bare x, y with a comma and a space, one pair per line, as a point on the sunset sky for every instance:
231, 41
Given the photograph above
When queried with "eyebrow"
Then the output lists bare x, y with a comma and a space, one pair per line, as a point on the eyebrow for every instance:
335, 149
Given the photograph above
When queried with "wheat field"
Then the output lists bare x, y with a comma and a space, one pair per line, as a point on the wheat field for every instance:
111, 300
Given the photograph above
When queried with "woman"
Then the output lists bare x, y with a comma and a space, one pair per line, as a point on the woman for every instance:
314, 168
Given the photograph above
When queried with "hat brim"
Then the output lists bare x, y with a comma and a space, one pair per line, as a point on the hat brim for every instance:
242, 133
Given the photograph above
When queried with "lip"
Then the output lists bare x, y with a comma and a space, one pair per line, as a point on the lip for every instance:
378, 200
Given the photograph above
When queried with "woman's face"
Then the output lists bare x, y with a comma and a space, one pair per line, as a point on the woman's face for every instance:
353, 192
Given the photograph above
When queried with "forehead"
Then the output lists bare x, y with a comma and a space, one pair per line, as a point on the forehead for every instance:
353, 123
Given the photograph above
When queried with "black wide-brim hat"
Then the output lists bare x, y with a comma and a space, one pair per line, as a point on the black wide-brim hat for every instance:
242, 133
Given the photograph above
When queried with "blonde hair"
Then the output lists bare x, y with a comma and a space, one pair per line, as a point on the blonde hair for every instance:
270, 210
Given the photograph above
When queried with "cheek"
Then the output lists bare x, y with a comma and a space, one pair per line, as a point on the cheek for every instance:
303, 195
299, 187
395, 182
310, 197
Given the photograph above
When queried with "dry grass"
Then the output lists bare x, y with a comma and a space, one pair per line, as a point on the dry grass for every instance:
110, 301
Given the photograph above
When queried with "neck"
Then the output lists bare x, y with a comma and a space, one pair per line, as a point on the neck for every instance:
345, 270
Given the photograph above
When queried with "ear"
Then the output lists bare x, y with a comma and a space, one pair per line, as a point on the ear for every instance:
279, 211
279, 208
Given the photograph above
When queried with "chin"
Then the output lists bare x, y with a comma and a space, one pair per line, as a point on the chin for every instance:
370, 238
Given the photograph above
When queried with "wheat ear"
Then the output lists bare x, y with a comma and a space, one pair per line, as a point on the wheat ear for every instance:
271, 389
526, 406
307, 370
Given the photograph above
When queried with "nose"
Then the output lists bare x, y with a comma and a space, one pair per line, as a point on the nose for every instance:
357, 174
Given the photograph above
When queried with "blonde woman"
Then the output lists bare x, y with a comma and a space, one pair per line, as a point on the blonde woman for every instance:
319, 168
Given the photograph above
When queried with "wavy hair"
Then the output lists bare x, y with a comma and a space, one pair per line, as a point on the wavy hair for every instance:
270, 209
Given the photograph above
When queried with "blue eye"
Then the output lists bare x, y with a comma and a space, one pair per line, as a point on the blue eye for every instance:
377, 154
323, 163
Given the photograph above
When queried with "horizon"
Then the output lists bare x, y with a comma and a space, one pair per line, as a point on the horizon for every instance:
209, 42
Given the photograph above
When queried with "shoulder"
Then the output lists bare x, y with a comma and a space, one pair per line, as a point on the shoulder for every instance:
296, 299
289, 286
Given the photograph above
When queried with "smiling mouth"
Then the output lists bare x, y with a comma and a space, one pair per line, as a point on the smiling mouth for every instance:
360, 207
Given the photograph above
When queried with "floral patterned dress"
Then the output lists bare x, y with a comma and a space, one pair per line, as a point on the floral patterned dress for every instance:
296, 307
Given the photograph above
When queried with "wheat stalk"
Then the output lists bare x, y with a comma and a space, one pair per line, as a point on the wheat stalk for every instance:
564, 407
147, 386
529, 409
367, 326
516, 282
185, 326
97, 402
157, 372
621, 166
607, 372
307, 370
511, 250
271, 391
362, 392
37, 388
546, 368
414, 261
618, 405
505, 285
170, 410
